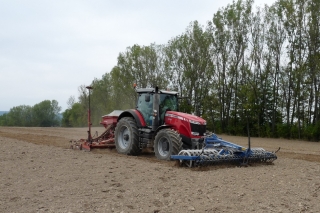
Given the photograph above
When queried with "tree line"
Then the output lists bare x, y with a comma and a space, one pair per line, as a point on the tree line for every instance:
255, 68
43, 114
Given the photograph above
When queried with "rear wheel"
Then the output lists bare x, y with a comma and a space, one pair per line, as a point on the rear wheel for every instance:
167, 142
127, 137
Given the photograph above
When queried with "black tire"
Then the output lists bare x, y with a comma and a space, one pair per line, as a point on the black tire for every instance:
127, 137
166, 143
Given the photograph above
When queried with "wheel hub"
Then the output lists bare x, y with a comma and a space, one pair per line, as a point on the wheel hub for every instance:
165, 146
126, 137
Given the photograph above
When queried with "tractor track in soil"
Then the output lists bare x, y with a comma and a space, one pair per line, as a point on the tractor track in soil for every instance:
39, 173
40, 136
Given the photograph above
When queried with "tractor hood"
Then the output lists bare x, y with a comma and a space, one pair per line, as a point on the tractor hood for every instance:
186, 117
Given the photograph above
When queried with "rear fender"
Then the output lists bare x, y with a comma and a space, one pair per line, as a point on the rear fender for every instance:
134, 114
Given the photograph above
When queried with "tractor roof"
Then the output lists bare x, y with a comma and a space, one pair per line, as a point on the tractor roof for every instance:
152, 90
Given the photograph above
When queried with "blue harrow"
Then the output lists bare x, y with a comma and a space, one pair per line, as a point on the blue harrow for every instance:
217, 151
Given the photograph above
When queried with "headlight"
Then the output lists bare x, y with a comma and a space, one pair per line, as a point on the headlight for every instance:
195, 133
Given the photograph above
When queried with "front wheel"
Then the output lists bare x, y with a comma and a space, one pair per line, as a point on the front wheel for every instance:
127, 137
166, 143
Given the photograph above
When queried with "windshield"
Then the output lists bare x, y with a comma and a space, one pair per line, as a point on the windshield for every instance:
167, 102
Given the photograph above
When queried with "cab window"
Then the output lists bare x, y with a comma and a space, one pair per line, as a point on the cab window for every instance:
145, 107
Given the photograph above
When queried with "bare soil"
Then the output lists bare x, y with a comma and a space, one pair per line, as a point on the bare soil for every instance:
39, 173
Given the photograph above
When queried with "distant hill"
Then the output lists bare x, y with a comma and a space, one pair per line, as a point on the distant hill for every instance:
3, 112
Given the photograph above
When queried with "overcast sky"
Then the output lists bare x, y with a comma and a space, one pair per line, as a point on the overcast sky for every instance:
48, 48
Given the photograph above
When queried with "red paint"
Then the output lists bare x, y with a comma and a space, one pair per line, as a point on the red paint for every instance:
107, 120
142, 121
181, 122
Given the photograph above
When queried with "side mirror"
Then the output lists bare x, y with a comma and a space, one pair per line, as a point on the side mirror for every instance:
147, 98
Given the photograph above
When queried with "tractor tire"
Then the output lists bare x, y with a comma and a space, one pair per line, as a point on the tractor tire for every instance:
127, 137
166, 143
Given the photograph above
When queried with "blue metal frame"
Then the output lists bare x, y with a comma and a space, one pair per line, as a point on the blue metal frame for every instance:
217, 150
214, 141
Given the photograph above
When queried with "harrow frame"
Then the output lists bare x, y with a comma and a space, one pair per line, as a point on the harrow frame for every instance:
217, 151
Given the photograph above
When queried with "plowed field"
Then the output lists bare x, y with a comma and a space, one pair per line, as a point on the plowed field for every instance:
39, 173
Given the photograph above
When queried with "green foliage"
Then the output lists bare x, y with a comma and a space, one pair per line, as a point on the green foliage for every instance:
3, 120
43, 114
74, 117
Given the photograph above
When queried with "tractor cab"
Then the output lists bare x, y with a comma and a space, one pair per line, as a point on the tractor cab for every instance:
153, 104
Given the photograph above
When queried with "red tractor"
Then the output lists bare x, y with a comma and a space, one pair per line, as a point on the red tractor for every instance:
157, 123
